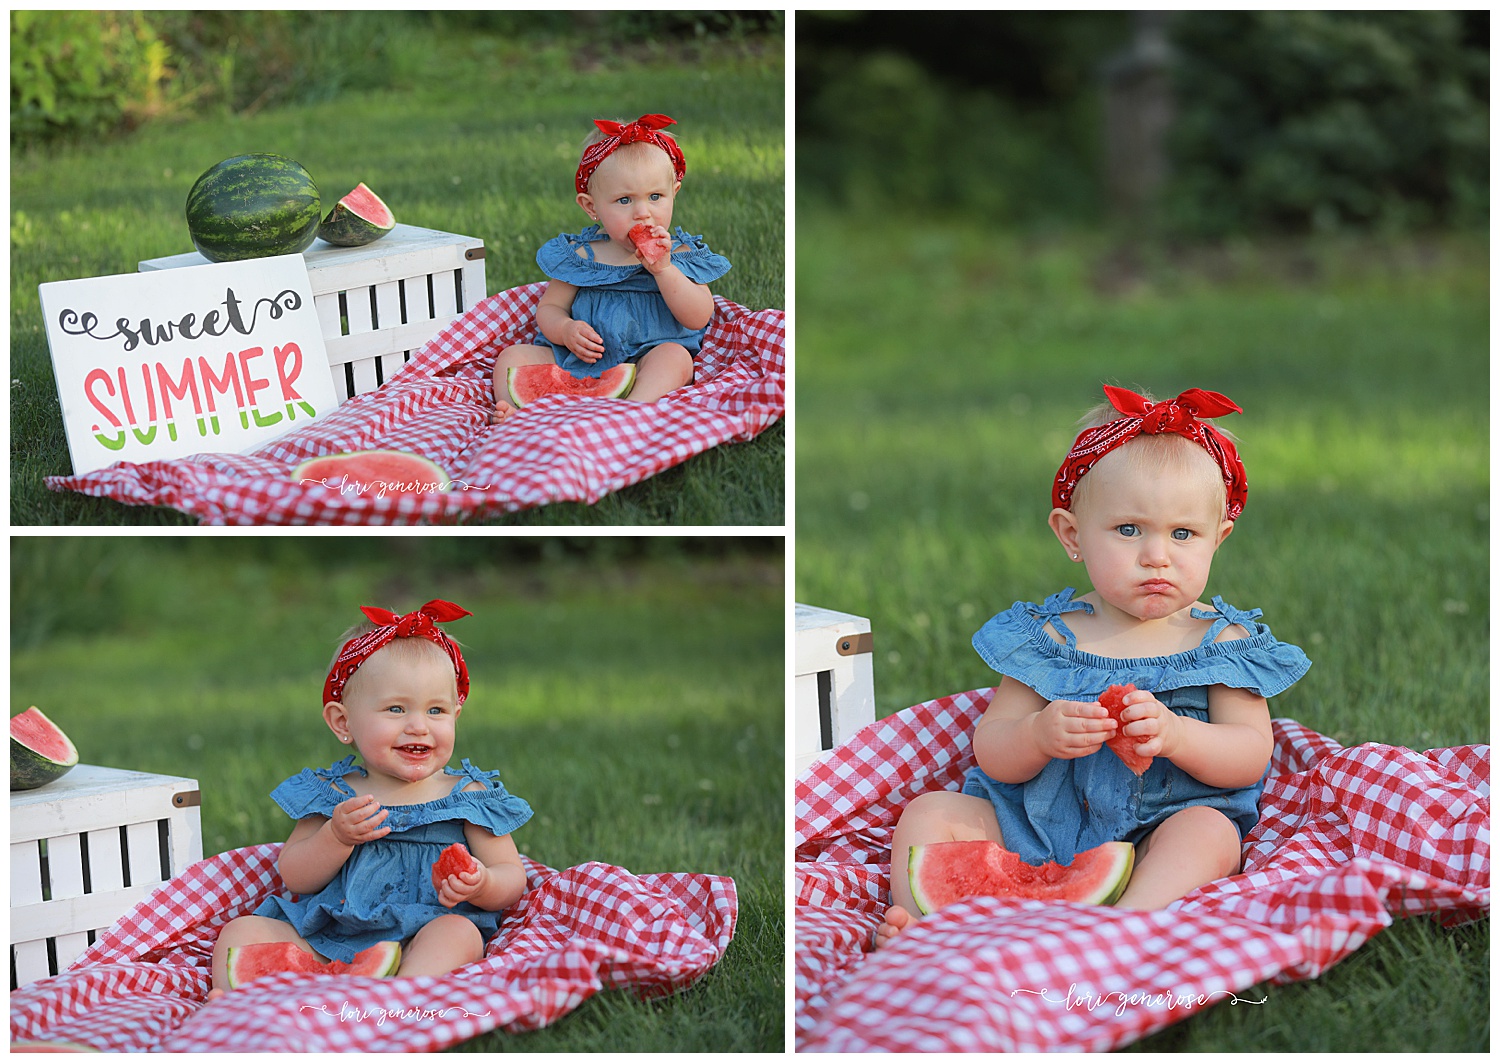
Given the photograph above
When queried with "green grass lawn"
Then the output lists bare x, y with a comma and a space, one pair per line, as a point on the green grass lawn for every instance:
636, 703
939, 375
483, 143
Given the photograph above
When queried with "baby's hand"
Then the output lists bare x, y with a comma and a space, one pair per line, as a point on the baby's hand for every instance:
1066, 730
653, 247
461, 887
1150, 725
358, 820
584, 341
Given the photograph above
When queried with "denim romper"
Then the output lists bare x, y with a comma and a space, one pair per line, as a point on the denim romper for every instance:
1071, 806
623, 303
384, 890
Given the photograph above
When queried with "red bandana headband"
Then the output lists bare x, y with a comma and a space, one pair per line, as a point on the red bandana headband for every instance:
645, 128
422, 624
1143, 417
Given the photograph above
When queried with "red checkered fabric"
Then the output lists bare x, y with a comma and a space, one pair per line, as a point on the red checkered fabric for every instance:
556, 450
1349, 838
141, 986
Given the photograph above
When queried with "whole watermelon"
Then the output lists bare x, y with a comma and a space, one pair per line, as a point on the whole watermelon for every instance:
253, 206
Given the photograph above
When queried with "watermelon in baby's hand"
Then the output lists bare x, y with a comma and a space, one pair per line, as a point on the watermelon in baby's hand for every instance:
1123, 746
454, 860
651, 246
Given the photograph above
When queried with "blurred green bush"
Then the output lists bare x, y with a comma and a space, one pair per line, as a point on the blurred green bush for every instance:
1286, 121
1320, 120
76, 74
83, 72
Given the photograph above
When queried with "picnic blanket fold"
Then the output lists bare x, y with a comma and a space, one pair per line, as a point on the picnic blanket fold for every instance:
1349, 839
141, 985
437, 406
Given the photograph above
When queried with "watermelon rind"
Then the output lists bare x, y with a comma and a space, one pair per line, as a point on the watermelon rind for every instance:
373, 467
349, 223
1096, 876
529, 383
244, 964
30, 768
253, 206
50, 1046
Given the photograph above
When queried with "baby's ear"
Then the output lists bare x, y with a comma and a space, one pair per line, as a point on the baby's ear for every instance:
586, 201
337, 719
1064, 525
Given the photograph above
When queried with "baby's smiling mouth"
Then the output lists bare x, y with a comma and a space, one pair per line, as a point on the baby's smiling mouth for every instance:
415, 750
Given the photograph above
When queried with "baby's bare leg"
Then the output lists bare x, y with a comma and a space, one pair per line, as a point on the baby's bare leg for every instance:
662, 369
443, 945
248, 930
941, 816
520, 354
1190, 848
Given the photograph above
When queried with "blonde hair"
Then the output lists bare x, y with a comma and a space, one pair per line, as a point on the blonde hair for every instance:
1164, 454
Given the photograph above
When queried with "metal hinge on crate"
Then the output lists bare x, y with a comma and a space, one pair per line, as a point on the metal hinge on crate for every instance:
849, 645
187, 799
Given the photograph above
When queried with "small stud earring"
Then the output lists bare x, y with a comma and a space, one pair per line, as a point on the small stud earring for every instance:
1075, 557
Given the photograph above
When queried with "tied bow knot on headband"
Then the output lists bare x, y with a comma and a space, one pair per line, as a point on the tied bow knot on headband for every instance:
391, 626
645, 129
1179, 416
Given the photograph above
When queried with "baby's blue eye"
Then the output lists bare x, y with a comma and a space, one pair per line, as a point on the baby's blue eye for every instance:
394, 708
1129, 531
1182, 534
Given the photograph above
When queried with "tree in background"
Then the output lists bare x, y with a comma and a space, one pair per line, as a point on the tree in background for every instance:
1328, 119
1281, 121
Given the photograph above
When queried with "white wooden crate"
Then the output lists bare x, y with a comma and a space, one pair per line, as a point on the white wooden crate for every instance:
835, 680
381, 302
84, 850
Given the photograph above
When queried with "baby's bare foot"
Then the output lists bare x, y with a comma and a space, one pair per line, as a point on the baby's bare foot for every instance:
501, 411
897, 919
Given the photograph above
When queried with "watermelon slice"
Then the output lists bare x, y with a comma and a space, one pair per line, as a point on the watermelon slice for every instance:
39, 752
454, 860
528, 383
249, 962
1123, 746
945, 872
359, 218
373, 472
652, 247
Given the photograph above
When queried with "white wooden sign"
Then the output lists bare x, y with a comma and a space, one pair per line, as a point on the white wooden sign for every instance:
217, 358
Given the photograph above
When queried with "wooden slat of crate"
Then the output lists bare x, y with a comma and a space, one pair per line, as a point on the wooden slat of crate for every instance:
113, 817
438, 275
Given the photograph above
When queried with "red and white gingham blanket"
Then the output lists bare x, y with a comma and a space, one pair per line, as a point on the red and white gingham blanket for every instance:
559, 449
141, 986
1348, 839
